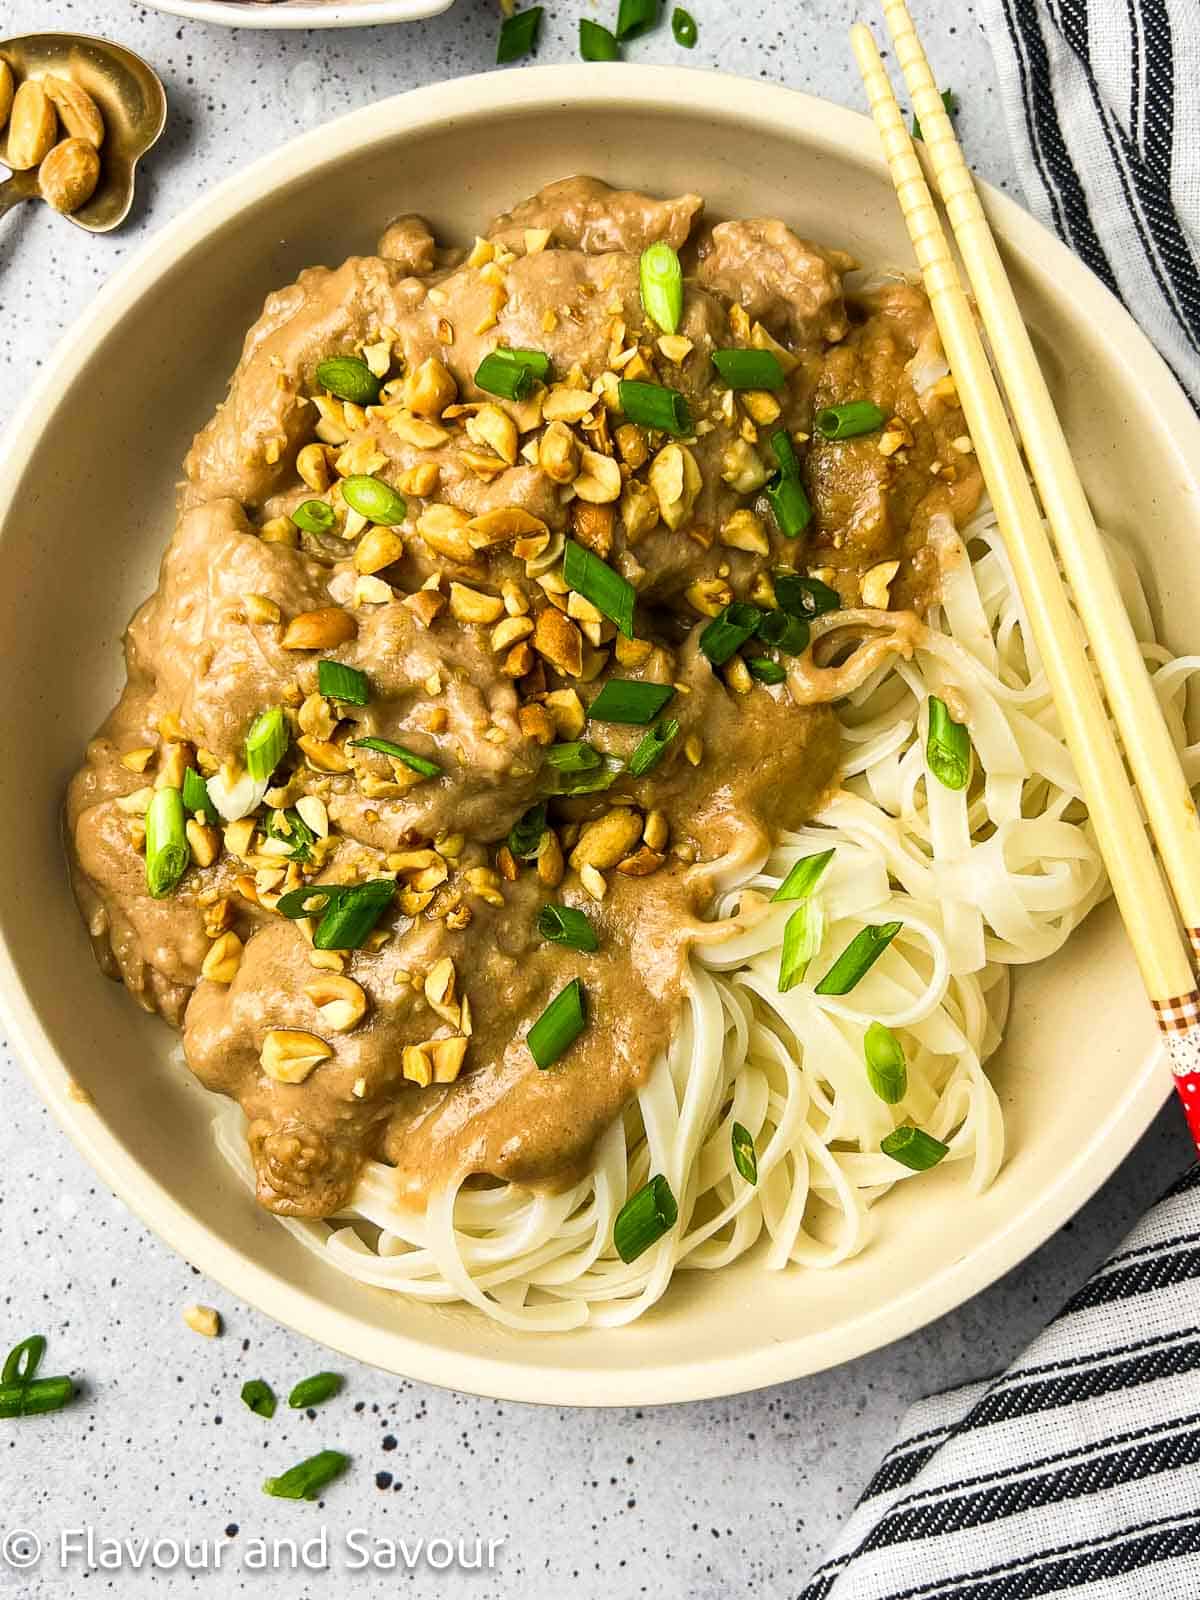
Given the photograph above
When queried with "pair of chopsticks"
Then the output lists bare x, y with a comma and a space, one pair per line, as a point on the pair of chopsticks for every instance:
1142, 896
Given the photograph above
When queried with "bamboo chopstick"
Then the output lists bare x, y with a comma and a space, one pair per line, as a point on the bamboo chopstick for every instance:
1153, 758
1145, 906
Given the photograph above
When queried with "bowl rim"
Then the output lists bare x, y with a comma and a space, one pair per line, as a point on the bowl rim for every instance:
828, 127
262, 15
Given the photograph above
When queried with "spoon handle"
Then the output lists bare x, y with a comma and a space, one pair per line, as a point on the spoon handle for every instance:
21, 186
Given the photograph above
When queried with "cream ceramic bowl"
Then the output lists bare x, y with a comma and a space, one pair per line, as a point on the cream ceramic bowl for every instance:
302, 13
85, 511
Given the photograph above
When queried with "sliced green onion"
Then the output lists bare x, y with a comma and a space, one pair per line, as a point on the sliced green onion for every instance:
266, 743
37, 1395
196, 796
628, 700
512, 373
660, 278
644, 1218
653, 405
949, 100
374, 499
314, 516
558, 1027
790, 503
729, 631
948, 747
575, 756
850, 419
857, 959
567, 926
527, 832
349, 379
786, 632
803, 935
399, 752
784, 452
683, 26
341, 682
593, 781
306, 1479
765, 670
290, 828
260, 1397
596, 581
804, 877
23, 1360
749, 369
804, 597
652, 748
518, 35
167, 853
745, 1156
312, 1391
636, 17
596, 43
313, 899
914, 1148
887, 1072
351, 918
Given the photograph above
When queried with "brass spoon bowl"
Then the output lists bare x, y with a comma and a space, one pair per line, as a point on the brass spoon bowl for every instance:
131, 99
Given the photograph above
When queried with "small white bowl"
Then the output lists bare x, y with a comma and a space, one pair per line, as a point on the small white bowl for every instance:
302, 13
86, 492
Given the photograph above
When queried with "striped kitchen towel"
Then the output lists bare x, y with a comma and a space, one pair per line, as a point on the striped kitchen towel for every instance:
1076, 1471
1102, 103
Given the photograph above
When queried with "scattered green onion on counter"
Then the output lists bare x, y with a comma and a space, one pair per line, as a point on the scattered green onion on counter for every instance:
260, 1397
629, 700
644, 1218
635, 17
596, 43
660, 278
518, 35
949, 100
22, 1392
314, 1391
558, 1027
683, 26
308, 1478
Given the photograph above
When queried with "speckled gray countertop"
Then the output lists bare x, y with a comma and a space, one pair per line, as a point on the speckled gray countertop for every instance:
702, 1501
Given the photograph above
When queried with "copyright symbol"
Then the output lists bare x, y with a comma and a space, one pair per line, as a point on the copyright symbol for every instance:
20, 1549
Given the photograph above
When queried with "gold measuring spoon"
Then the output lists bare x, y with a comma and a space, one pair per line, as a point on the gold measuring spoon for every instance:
132, 102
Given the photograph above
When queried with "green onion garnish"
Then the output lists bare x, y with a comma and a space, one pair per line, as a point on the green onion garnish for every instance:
266, 743
306, 1479
526, 834
652, 748
35, 1396
636, 17
660, 278
653, 405
857, 959
790, 503
568, 926
518, 35
575, 756
351, 918
596, 43
260, 1397
804, 597
803, 935
290, 828
196, 796
341, 682
913, 1147
349, 379
398, 752
511, 373
23, 1360
784, 452
683, 26
312, 1391
765, 670
558, 1027
786, 632
644, 1218
804, 877
886, 1070
949, 100
314, 516
745, 1156
627, 700
596, 581
374, 499
728, 632
948, 747
313, 899
850, 419
589, 778
749, 369
167, 854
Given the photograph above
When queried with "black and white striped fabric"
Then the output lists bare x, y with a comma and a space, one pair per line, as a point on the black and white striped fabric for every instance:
1076, 1471
1102, 102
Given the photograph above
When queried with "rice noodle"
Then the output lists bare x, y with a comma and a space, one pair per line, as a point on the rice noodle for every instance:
982, 879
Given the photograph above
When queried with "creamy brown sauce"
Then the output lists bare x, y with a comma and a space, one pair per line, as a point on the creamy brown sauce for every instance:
204, 654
